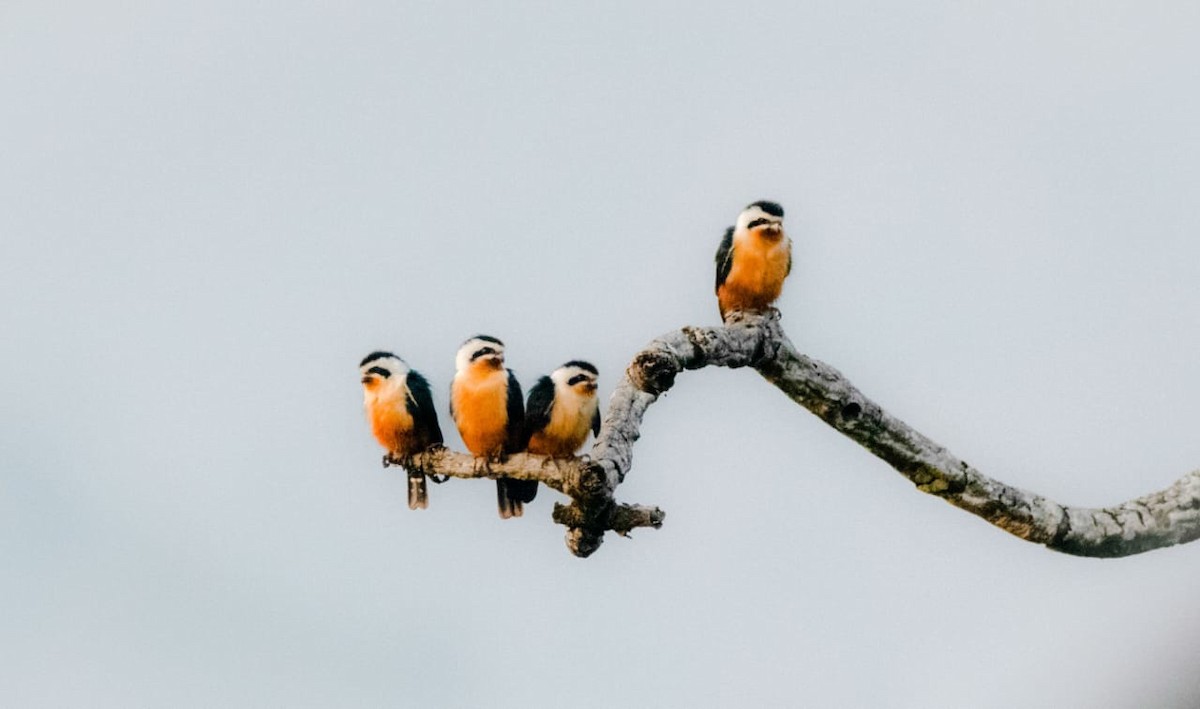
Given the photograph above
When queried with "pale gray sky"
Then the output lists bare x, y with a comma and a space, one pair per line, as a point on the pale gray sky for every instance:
212, 211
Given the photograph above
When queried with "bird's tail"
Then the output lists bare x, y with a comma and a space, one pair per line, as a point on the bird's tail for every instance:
522, 490
508, 505
418, 496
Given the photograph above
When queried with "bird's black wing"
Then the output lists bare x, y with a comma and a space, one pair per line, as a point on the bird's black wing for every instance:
596, 422
515, 440
420, 406
537, 408
518, 492
724, 257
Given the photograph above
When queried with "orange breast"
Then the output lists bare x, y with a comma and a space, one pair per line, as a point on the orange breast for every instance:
755, 279
566, 431
481, 411
392, 425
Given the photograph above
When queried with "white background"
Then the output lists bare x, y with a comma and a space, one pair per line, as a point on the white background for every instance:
211, 213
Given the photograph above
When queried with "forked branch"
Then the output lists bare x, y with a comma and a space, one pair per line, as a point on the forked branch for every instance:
1160, 519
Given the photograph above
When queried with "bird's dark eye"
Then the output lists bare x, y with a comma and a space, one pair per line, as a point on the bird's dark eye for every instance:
481, 352
380, 371
577, 379
758, 222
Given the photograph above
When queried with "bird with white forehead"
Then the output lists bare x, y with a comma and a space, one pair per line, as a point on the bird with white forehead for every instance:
561, 409
400, 410
753, 259
488, 408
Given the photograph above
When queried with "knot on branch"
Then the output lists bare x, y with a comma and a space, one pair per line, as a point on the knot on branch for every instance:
653, 371
585, 525
592, 482
583, 542
569, 515
932, 480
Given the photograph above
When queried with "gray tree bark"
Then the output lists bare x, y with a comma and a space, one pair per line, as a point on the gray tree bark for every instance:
1160, 519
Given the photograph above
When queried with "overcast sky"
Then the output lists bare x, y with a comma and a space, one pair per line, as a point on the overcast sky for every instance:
212, 211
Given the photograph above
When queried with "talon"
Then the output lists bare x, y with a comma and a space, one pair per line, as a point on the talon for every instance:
387, 460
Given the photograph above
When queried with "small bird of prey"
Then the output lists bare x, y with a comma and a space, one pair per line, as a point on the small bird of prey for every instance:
400, 409
561, 409
488, 408
753, 259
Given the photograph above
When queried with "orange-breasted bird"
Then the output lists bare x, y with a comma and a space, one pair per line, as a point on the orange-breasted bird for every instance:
487, 406
753, 259
561, 409
400, 409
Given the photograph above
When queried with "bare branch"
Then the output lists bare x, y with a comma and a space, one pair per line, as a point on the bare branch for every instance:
1160, 519
562, 474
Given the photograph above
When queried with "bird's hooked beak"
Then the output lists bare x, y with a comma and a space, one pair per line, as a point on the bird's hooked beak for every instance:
367, 379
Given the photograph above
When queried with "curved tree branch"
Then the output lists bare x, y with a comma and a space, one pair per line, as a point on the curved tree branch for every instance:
1165, 518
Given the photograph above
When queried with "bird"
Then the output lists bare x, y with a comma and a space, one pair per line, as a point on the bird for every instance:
560, 410
753, 259
400, 409
489, 410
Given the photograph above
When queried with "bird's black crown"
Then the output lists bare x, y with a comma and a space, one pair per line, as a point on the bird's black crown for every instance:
485, 338
771, 208
586, 366
374, 356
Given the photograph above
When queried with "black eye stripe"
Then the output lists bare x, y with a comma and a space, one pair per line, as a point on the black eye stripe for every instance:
758, 222
577, 379
481, 352
380, 371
